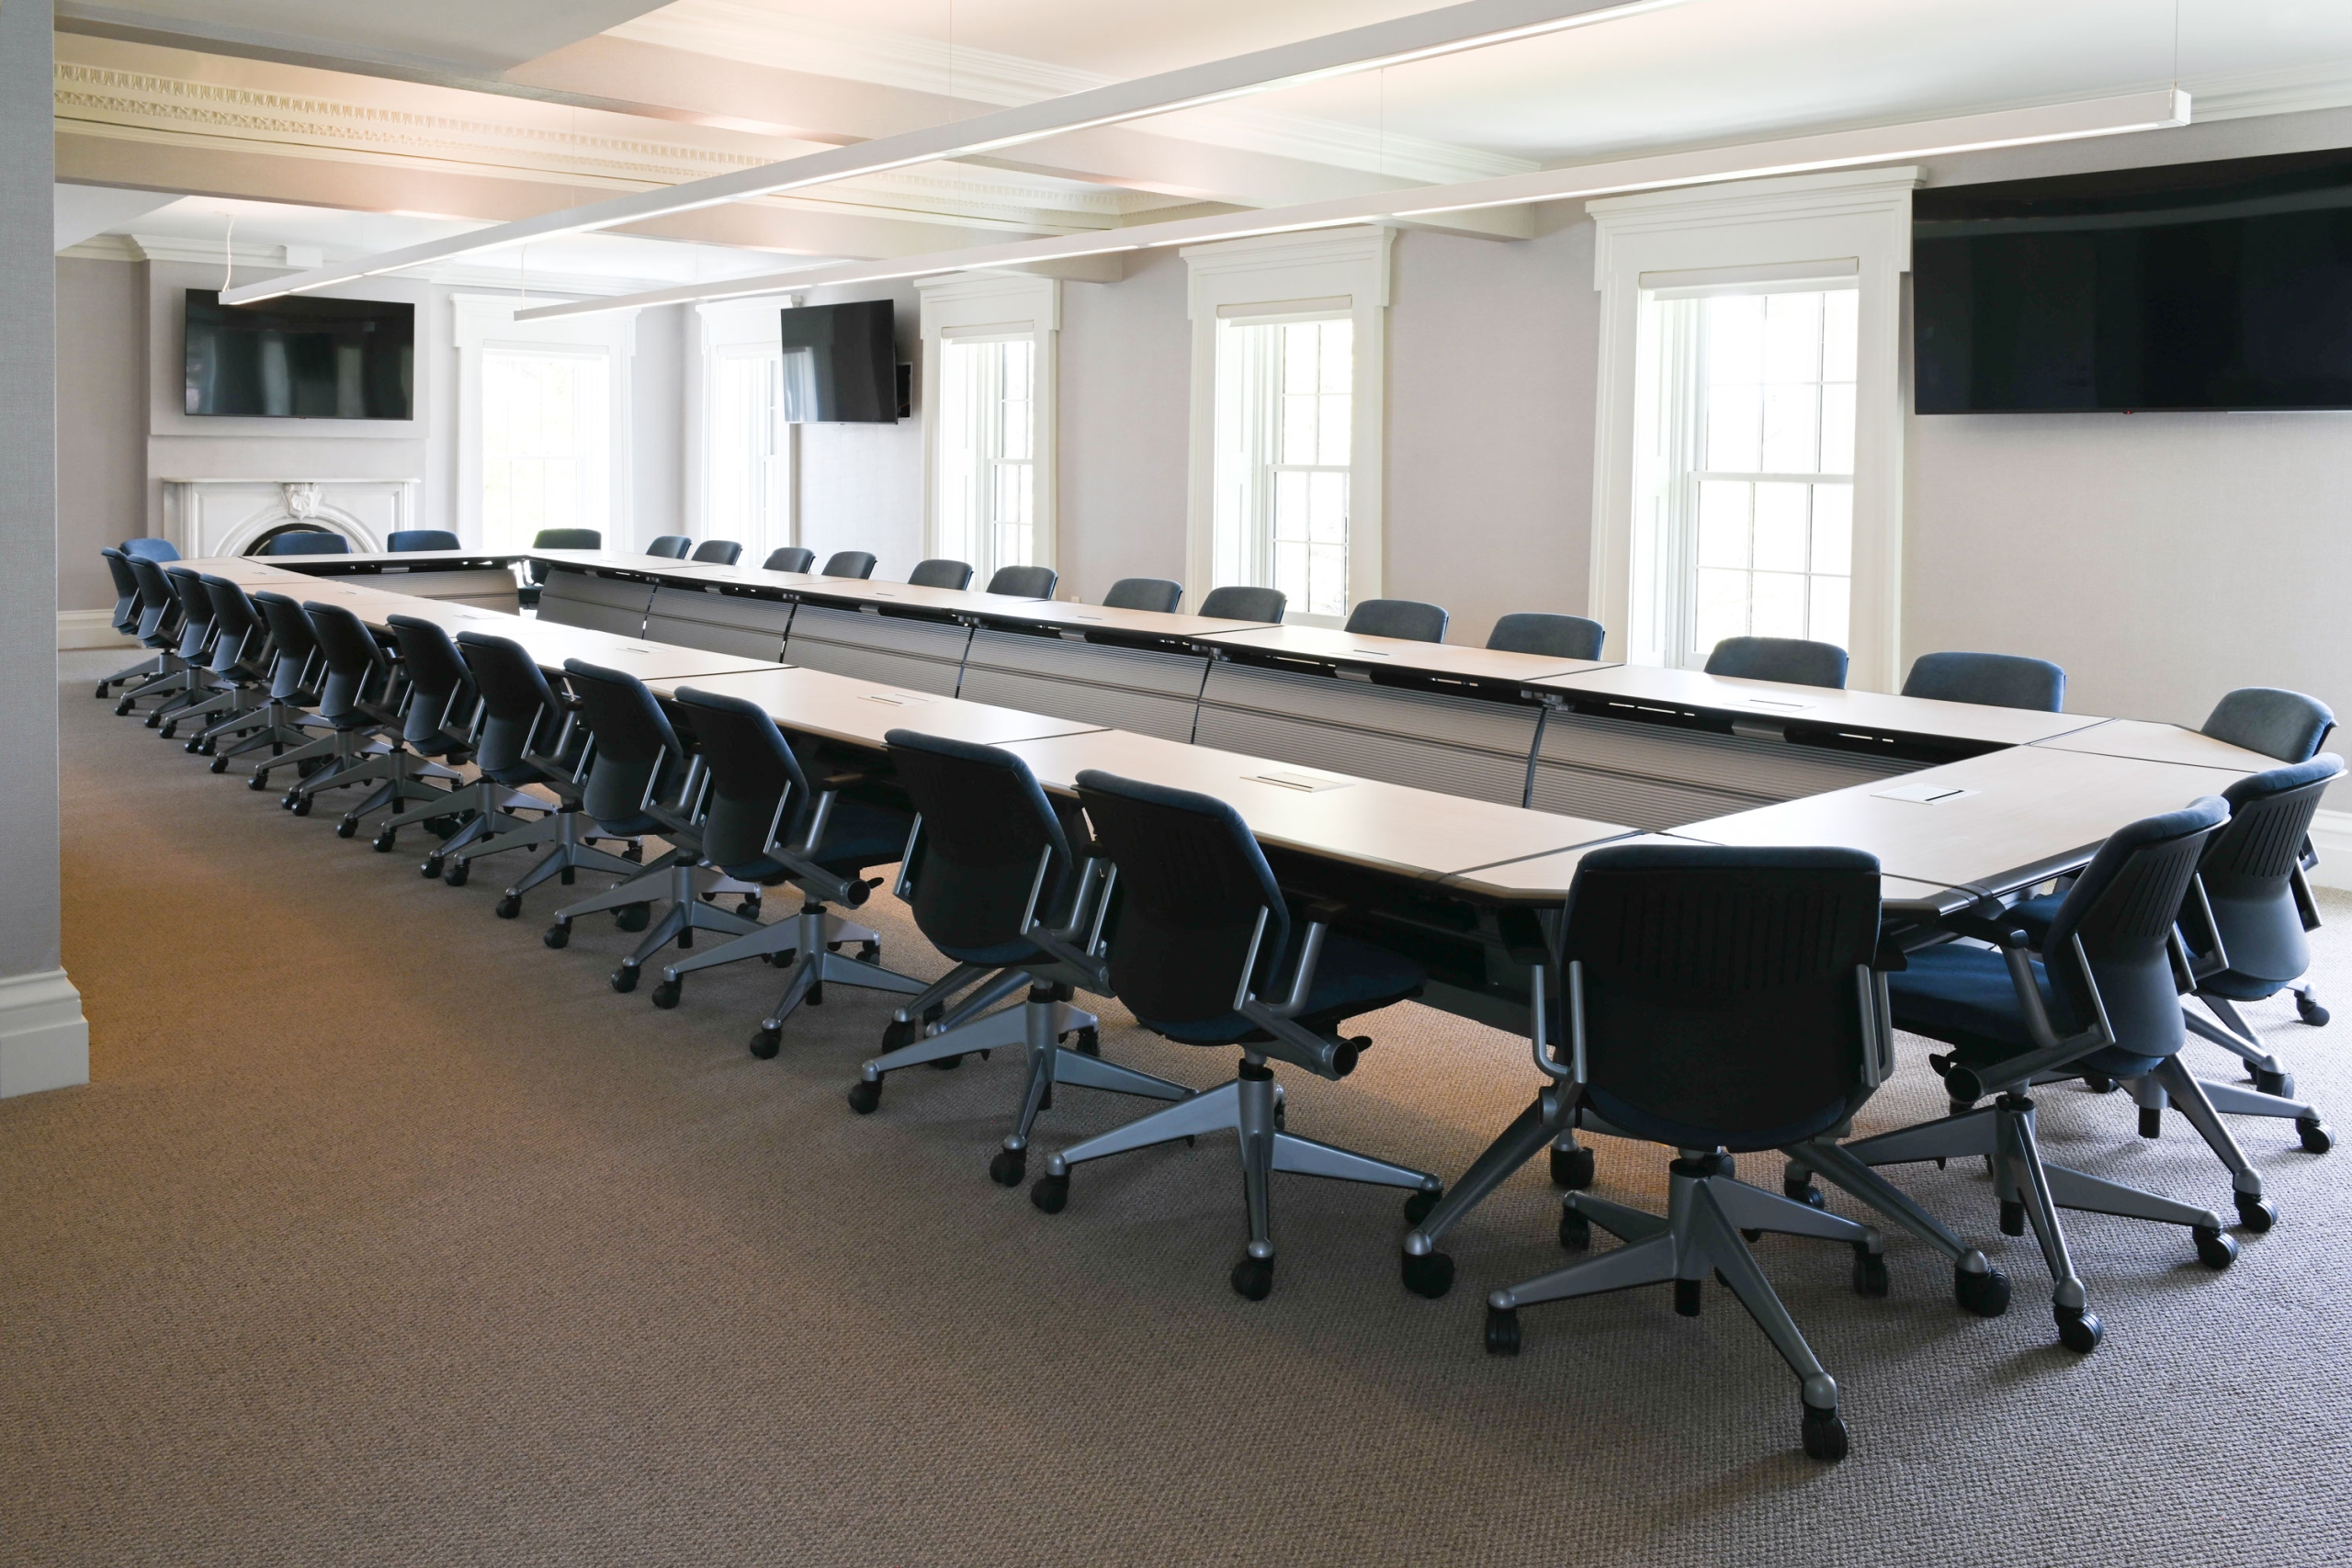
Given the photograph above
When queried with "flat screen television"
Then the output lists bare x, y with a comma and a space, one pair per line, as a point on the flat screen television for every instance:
300, 357
840, 365
2199, 285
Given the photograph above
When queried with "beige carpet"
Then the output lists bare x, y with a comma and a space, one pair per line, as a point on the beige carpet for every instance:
386, 1235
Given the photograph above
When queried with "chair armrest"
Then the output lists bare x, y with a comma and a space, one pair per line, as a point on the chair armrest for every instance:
2306, 906
2049, 1051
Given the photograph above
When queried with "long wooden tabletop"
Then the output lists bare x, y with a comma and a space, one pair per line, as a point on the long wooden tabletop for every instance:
1636, 686
861, 713
2159, 743
1355, 650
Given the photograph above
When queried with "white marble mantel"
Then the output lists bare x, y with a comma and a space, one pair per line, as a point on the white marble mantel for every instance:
223, 517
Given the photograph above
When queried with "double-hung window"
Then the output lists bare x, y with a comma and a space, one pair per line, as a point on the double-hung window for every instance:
546, 441
748, 497
987, 472
1285, 456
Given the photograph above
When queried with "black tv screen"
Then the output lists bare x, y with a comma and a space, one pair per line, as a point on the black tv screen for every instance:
2200, 285
840, 365
300, 357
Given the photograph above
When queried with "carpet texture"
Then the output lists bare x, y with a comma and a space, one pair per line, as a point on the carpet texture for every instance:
385, 1234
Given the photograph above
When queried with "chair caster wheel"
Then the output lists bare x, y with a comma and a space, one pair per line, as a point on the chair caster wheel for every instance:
258, 782
1576, 1230
2256, 1214
220, 764
864, 1096
2318, 1138
2267, 1082
633, 916
2079, 1329
2215, 1250
1417, 1206
154, 721
506, 909
430, 867
666, 993
302, 806
1571, 1169
1253, 1279
1009, 1167
1050, 1193
870, 952
558, 935
385, 843
783, 960
750, 907
1825, 1435
1502, 1331
946, 1064
2151, 1122
623, 979
1871, 1278
347, 827
2311, 1012
1430, 1275
122, 709
165, 730
896, 1034
194, 748
2098, 1083
1803, 1192
456, 873
1983, 1295
766, 1042
1089, 1042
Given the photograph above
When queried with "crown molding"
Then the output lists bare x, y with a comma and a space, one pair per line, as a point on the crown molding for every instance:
749, 31
186, 252
2294, 89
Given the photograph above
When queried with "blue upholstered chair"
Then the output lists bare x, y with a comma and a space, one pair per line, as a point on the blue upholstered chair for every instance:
407, 539
153, 550
670, 546
1554, 637
790, 558
1239, 601
307, 542
2285, 724
1406, 619
849, 563
1024, 581
1994, 680
1154, 594
941, 574
718, 552
554, 539
1791, 659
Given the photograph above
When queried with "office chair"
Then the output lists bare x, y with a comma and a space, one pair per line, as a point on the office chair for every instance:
158, 550
1554, 637
2102, 997
352, 701
1003, 883
849, 563
129, 613
1198, 934
527, 736
670, 546
355, 662
187, 686
640, 781
1722, 1002
767, 823
307, 542
1407, 618
437, 722
407, 539
1024, 581
1237, 602
1995, 680
791, 557
535, 573
941, 574
1787, 658
2285, 724
1155, 594
240, 672
718, 552
161, 628
294, 659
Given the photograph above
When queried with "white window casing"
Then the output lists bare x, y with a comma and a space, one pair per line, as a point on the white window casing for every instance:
1802, 234
484, 326
988, 441
743, 476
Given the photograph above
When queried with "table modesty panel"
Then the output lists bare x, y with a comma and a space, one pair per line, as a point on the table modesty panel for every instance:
615, 605
1662, 776
1434, 740
1146, 690
897, 650
551, 643
1956, 729
1441, 661
857, 713
726, 623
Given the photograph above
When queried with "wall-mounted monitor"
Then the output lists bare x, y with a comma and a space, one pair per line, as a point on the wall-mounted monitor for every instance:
300, 357
840, 365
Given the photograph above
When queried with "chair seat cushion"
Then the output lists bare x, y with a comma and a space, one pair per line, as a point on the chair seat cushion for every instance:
1353, 978
1962, 995
858, 834
1629, 1118
2232, 986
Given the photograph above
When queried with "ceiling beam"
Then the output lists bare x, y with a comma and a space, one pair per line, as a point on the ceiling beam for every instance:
1472, 24
2115, 116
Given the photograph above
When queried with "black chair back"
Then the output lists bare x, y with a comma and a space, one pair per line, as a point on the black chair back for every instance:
151, 549
1995, 680
238, 631
1024, 581
670, 546
759, 794
985, 827
196, 611
1407, 618
1235, 602
407, 539
2122, 908
562, 539
307, 542
718, 552
849, 563
2285, 724
1554, 637
1193, 887
791, 557
637, 756
297, 646
159, 600
1792, 659
1723, 990
1155, 594
520, 714
353, 658
126, 590
441, 688
941, 574
2249, 867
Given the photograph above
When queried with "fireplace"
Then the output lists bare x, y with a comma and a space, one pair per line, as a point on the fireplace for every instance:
229, 517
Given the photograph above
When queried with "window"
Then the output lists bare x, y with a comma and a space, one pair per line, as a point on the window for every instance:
987, 456
1285, 422
546, 442
748, 497
1748, 433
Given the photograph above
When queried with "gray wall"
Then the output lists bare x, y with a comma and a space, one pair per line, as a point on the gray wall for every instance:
861, 485
1124, 394
101, 422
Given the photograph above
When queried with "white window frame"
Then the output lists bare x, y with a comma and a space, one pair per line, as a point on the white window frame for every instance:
1819, 226
1275, 277
994, 304
486, 321
725, 328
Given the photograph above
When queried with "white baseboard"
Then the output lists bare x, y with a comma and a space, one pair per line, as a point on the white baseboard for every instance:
44, 1040
79, 629
2332, 837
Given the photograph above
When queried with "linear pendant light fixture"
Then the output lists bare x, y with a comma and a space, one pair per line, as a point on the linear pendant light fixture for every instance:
2152, 111
1478, 24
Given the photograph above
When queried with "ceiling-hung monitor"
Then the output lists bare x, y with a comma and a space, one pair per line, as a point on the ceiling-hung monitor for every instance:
2197, 286
302, 356
841, 364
